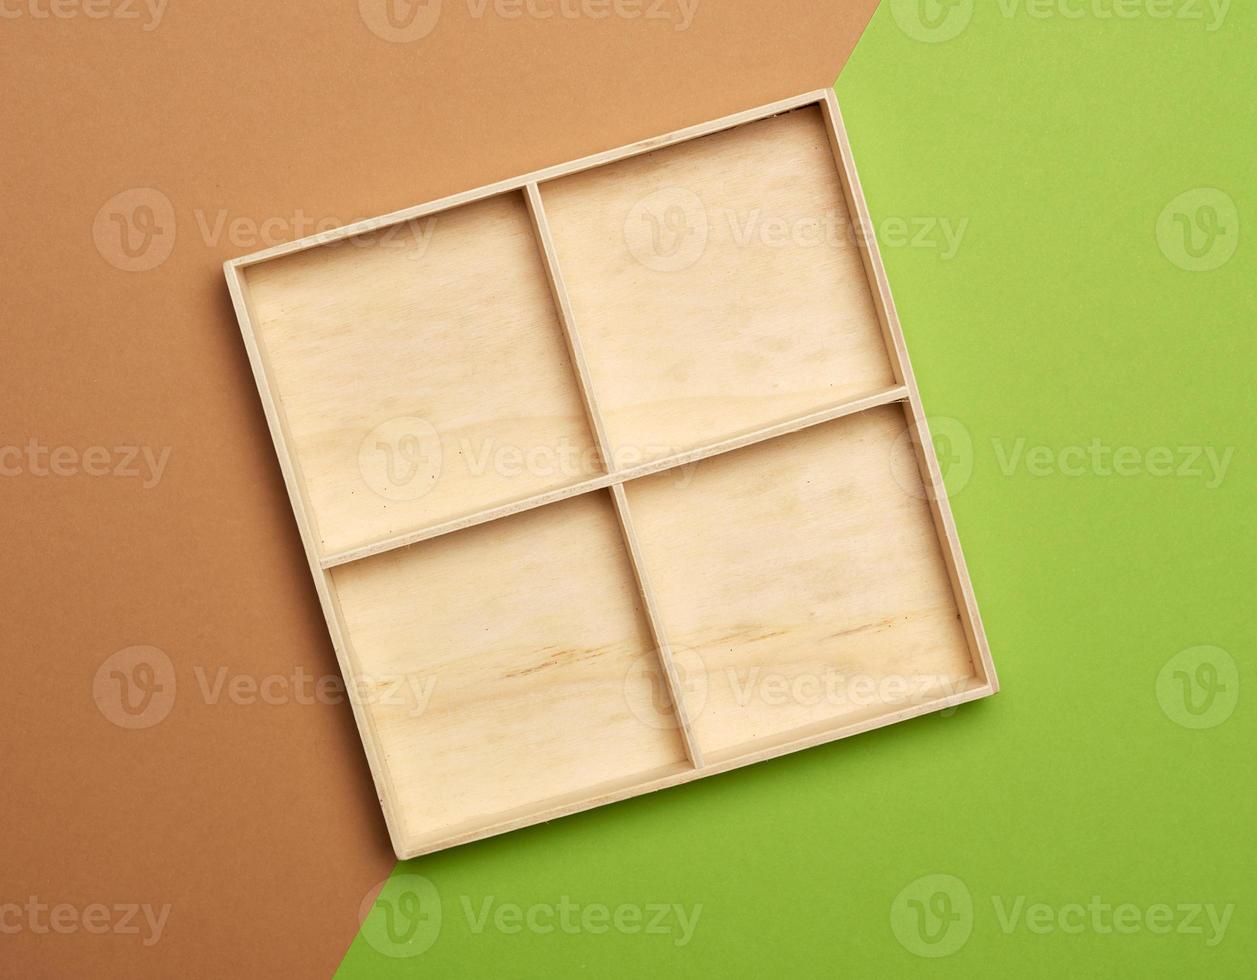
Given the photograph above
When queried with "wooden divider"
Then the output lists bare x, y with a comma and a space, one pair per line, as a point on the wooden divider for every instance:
886, 396
640, 533
918, 425
590, 399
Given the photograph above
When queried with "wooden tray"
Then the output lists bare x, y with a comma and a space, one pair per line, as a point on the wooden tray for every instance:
612, 476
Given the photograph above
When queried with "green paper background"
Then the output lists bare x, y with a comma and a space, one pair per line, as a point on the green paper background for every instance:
1055, 143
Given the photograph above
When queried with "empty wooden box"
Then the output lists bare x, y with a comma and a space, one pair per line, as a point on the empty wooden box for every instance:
614, 475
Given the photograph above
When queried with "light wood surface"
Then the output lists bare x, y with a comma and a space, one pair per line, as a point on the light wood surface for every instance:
803, 580
650, 511
420, 369
687, 458
663, 676
521, 633
715, 286
927, 460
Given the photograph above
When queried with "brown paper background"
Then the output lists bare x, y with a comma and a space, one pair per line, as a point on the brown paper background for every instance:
257, 823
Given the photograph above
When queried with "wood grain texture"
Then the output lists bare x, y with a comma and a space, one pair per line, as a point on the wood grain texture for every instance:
422, 372
801, 581
717, 285
687, 458
665, 677
525, 636
927, 461
795, 576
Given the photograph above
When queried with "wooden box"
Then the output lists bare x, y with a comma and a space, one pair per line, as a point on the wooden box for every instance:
614, 475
